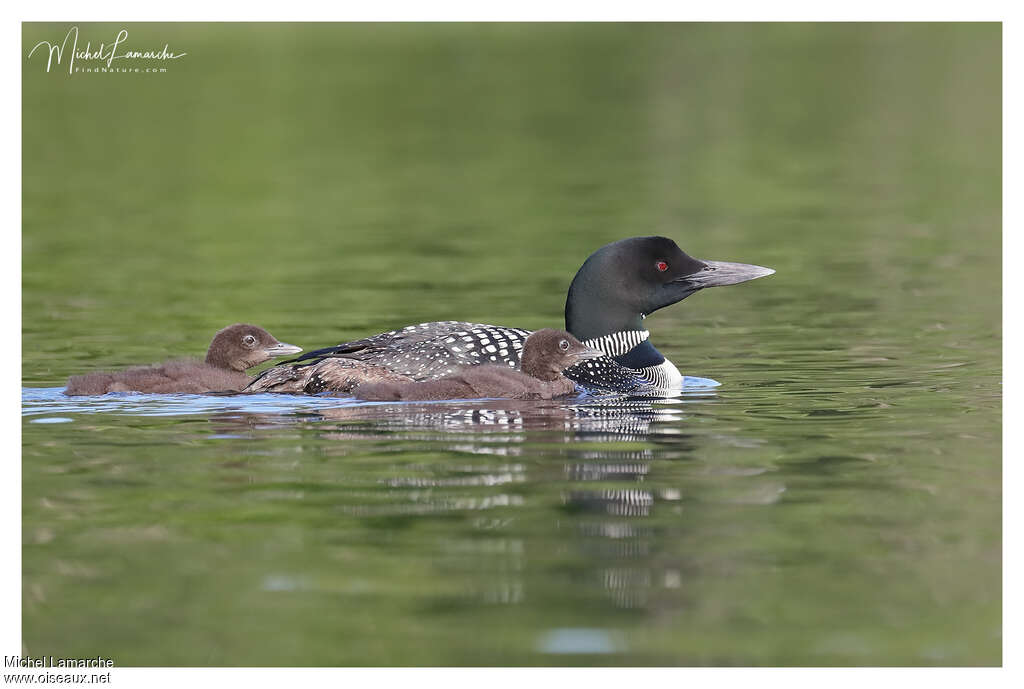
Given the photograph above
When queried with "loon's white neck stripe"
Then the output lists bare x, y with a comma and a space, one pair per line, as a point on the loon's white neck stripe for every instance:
618, 343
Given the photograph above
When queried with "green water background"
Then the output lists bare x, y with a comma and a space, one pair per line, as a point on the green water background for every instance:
838, 500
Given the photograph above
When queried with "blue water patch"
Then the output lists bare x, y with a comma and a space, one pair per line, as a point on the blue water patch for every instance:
576, 640
695, 383
51, 401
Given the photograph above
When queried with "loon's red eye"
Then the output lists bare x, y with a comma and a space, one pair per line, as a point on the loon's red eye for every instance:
662, 266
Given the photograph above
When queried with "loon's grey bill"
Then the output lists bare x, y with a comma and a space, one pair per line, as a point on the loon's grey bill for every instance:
720, 273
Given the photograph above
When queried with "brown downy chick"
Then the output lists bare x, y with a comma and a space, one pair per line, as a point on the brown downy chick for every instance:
233, 350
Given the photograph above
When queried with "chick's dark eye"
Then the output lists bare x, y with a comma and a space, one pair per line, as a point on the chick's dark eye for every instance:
249, 340
563, 345
661, 266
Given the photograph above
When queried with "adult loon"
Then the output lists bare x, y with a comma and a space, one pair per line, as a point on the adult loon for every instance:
545, 355
233, 350
618, 286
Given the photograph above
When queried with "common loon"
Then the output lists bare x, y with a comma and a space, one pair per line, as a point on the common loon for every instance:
617, 287
233, 350
545, 354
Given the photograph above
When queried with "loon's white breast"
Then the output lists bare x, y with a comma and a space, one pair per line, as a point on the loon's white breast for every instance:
665, 375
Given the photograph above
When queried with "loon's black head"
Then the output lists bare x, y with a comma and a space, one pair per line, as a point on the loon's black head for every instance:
624, 281
242, 346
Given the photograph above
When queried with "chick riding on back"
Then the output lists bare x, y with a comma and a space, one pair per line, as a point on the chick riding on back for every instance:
546, 354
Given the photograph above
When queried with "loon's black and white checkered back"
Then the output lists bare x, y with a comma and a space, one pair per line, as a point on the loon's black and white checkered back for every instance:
466, 344
431, 350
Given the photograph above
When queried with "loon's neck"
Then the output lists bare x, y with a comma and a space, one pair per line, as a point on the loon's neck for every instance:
620, 343
590, 323
633, 349
596, 306
641, 356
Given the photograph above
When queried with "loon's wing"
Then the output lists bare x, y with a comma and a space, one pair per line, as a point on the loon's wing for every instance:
366, 347
429, 350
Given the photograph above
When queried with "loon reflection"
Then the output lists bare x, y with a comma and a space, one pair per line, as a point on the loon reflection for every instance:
594, 461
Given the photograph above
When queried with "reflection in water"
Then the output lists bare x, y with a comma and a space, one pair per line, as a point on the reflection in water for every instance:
599, 472
599, 419
588, 434
620, 503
